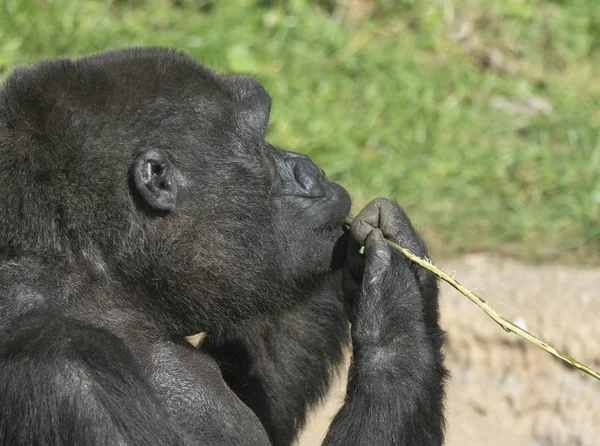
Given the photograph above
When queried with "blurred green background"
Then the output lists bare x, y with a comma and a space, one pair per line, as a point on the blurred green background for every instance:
481, 117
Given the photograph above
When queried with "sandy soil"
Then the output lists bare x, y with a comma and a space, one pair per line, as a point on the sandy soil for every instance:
503, 390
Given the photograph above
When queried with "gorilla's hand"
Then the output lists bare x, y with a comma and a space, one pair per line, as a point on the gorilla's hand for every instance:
367, 275
397, 364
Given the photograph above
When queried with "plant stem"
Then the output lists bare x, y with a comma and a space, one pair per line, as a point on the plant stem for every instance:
481, 303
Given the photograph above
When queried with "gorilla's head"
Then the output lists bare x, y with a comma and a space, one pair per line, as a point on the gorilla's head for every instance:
151, 172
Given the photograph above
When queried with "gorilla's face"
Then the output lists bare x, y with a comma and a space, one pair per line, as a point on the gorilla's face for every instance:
249, 227
157, 169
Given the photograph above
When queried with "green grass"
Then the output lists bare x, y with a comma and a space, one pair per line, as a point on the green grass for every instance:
421, 101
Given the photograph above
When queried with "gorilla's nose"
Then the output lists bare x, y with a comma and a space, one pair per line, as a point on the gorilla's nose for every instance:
309, 176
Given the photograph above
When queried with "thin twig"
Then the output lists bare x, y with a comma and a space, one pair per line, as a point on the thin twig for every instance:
481, 303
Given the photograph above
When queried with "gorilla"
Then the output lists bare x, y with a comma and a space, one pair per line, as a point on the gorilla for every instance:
140, 204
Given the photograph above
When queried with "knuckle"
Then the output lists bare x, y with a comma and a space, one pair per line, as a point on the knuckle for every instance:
373, 207
375, 201
386, 202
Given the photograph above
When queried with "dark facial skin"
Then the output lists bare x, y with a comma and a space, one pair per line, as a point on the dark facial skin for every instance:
141, 203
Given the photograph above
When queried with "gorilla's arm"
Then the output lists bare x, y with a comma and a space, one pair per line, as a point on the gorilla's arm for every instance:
396, 385
282, 367
395, 390
68, 383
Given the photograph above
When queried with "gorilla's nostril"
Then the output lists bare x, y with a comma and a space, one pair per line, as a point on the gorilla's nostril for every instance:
309, 177
322, 176
304, 176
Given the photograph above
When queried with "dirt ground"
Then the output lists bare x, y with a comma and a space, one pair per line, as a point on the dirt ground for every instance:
503, 390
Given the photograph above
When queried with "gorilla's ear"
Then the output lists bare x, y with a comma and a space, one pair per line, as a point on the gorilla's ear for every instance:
154, 179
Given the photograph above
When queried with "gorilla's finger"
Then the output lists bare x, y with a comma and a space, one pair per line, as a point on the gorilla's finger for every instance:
353, 246
391, 219
379, 213
378, 256
366, 220
351, 286
355, 264
355, 261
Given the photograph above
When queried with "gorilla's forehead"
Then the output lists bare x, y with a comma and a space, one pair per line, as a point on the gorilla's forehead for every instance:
153, 82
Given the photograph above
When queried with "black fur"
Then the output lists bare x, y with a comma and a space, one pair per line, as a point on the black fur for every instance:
140, 203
